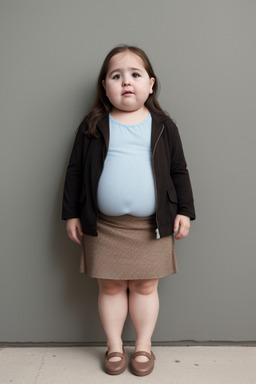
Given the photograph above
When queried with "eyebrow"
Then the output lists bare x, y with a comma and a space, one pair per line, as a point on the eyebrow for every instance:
120, 70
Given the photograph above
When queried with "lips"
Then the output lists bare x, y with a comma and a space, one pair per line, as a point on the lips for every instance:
127, 93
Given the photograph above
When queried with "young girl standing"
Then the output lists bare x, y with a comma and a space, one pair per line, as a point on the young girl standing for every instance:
127, 191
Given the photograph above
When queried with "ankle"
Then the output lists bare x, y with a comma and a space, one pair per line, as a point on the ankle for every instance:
143, 346
115, 347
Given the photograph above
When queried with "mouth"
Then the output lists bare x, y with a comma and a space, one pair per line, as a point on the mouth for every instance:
126, 93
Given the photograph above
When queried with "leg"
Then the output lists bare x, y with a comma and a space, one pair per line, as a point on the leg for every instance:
113, 309
144, 308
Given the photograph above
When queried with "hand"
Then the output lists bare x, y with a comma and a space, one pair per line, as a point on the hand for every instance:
74, 229
181, 226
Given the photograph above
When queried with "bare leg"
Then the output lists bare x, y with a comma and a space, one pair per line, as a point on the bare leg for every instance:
113, 309
144, 309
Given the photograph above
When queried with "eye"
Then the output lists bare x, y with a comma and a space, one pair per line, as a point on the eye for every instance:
116, 77
135, 75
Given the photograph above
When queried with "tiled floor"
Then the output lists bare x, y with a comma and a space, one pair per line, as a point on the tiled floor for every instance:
174, 365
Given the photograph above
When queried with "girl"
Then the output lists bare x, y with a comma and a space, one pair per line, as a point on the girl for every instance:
127, 190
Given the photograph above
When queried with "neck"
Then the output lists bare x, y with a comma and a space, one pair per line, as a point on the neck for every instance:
130, 117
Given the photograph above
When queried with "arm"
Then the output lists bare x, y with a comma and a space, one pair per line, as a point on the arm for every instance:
74, 175
73, 180
73, 186
180, 177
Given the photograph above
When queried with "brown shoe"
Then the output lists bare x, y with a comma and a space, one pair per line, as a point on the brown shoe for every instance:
142, 369
115, 367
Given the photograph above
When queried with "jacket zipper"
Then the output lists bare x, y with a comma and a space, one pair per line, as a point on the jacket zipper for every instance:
154, 174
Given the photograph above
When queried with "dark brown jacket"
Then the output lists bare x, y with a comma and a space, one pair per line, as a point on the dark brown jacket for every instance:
172, 183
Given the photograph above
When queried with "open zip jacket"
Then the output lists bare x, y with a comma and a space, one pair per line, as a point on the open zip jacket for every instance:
172, 183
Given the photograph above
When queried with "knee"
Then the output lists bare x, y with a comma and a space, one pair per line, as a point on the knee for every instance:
112, 287
143, 287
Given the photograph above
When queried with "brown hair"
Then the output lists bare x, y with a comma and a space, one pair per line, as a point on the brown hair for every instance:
102, 105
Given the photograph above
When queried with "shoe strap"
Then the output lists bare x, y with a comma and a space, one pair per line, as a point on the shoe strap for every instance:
144, 353
114, 354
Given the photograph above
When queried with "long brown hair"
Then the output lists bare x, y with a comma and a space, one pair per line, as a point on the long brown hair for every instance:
102, 105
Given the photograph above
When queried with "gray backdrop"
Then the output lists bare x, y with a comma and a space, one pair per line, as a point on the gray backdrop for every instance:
204, 54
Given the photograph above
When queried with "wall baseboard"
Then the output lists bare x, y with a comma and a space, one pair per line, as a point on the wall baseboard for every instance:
181, 343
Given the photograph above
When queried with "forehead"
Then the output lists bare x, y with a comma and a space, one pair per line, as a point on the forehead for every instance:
125, 60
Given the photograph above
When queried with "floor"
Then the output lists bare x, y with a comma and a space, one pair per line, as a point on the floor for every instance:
174, 365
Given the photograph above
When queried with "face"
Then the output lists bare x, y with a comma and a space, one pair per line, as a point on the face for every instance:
127, 82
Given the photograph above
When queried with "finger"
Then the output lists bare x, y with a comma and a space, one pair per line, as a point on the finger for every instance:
73, 236
76, 240
183, 235
176, 225
183, 232
80, 231
178, 236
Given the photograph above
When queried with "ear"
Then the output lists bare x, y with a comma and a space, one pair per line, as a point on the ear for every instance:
103, 83
151, 82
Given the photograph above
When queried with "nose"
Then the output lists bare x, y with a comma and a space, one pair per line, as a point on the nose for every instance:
126, 81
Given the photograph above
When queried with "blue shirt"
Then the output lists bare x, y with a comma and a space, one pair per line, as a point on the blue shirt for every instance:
126, 185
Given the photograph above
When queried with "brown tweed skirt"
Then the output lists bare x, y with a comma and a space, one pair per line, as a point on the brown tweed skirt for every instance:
126, 249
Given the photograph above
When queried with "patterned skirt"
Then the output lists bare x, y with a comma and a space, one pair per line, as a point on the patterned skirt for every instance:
126, 249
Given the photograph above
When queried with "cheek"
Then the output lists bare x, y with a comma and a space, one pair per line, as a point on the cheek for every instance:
112, 91
146, 88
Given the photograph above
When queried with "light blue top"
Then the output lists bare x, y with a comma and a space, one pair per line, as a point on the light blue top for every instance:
126, 185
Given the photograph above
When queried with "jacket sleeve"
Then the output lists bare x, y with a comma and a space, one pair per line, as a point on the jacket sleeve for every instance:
180, 176
74, 177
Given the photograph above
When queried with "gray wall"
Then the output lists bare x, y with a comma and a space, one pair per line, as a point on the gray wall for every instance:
204, 54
